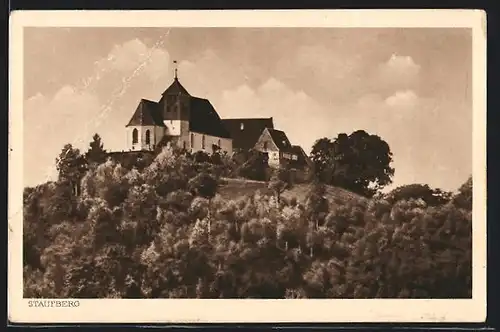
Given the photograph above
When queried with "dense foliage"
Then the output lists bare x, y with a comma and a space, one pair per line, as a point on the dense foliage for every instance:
359, 162
432, 197
163, 231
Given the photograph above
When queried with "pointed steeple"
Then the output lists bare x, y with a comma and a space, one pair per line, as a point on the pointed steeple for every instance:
175, 100
176, 87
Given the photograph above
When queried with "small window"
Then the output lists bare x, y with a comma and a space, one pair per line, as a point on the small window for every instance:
242, 126
218, 143
294, 157
148, 138
192, 140
265, 146
135, 136
184, 145
203, 142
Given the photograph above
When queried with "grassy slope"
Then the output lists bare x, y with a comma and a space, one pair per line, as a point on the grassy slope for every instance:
240, 187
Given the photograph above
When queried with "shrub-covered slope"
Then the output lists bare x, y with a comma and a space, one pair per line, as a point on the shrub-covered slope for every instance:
160, 232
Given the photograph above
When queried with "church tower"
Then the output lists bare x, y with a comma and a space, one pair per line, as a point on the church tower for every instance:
189, 122
175, 107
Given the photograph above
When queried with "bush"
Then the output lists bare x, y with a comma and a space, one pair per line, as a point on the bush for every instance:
201, 157
204, 185
253, 166
431, 197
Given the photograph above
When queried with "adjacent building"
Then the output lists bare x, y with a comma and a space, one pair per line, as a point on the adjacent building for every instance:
280, 152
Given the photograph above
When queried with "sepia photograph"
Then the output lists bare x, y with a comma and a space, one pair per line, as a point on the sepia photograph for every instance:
263, 165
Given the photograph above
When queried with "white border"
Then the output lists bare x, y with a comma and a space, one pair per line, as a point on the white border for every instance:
251, 311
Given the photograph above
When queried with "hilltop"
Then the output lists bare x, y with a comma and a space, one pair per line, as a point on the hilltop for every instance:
232, 188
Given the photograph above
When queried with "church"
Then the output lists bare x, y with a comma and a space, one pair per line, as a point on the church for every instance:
191, 122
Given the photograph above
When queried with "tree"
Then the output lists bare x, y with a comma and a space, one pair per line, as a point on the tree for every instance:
432, 197
322, 157
463, 198
280, 181
71, 166
254, 165
96, 153
317, 204
359, 162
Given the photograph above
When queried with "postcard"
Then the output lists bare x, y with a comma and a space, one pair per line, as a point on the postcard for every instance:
243, 166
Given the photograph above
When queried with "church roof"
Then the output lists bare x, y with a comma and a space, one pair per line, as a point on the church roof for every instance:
246, 132
175, 88
205, 120
203, 117
280, 139
147, 113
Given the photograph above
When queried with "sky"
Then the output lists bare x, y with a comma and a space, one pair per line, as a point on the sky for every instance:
412, 87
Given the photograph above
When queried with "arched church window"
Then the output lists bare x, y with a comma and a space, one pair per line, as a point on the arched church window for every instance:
148, 138
203, 142
218, 143
192, 140
135, 136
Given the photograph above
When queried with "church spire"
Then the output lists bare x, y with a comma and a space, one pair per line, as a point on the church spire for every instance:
175, 88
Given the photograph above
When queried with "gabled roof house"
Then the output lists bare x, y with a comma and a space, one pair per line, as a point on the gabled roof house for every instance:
280, 151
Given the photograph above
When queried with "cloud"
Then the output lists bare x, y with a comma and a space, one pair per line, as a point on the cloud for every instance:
397, 73
133, 54
272, 87
343, 74
402, 99
132, 65
398, 64
323, 71
209, 74
321, 60
231, 99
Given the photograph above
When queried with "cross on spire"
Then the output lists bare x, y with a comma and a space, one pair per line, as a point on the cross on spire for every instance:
175, 70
